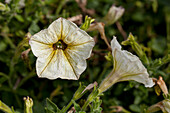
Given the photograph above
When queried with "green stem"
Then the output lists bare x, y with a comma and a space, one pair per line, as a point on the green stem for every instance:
85, 105
103, 72
25, 79
5, 108
68, 106
90, 98
168, 30
62, 2
17, 99
9, 41
4, 75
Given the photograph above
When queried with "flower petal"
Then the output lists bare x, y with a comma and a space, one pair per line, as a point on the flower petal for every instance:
54, 66
40, 49
76, 61
68, 28
73, 35
84, 50
55, 29
128, 66
61, 28
77, 56
44, 37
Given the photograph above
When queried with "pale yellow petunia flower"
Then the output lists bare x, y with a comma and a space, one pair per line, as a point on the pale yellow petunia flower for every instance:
126, 67
62, 50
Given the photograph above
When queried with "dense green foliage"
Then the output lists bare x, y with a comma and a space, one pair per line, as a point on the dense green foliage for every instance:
147, 20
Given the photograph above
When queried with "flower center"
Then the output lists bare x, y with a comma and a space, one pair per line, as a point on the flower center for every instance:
60, 45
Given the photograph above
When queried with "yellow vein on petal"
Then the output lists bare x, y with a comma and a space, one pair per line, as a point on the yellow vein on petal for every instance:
53, 53
41, 42
67, 33
81, 43
65, 55
61, 32
124, 76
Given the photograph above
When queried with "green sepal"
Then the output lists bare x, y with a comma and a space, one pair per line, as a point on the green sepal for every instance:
95, 107
51, 107
137, 48
79, 93
5, 108
87, 22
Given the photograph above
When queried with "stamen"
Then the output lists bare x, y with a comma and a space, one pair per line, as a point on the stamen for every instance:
60, 45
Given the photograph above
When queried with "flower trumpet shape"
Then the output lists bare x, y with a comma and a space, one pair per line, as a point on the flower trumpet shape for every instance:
166, 105
114, 14
62, 50
126, 67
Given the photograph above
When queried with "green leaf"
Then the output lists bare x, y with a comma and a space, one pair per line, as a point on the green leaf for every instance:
3, 45
135, 108
95, 108
51, 107
19, 18
154, 5
4, 7
22, 92
34, 28
158, 45
76, 106
49, 111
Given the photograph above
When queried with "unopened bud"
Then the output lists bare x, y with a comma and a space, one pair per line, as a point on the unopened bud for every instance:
114, 14
28, 104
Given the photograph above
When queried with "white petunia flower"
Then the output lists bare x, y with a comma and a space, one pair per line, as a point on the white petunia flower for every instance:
126, 67
62, 50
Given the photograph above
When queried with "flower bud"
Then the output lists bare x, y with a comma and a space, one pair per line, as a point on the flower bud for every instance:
114, 14
28, 104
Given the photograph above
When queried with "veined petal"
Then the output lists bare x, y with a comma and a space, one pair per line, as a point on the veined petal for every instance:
76, 61
40, 49
44, 37
83, 50
56, 65
75, 36
77, 56
55, 29
128, 66
68, 29
61, 28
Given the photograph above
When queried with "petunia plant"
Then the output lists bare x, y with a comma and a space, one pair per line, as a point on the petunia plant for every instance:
60, 51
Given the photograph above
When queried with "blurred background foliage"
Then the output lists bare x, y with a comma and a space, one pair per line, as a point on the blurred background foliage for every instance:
147, 20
